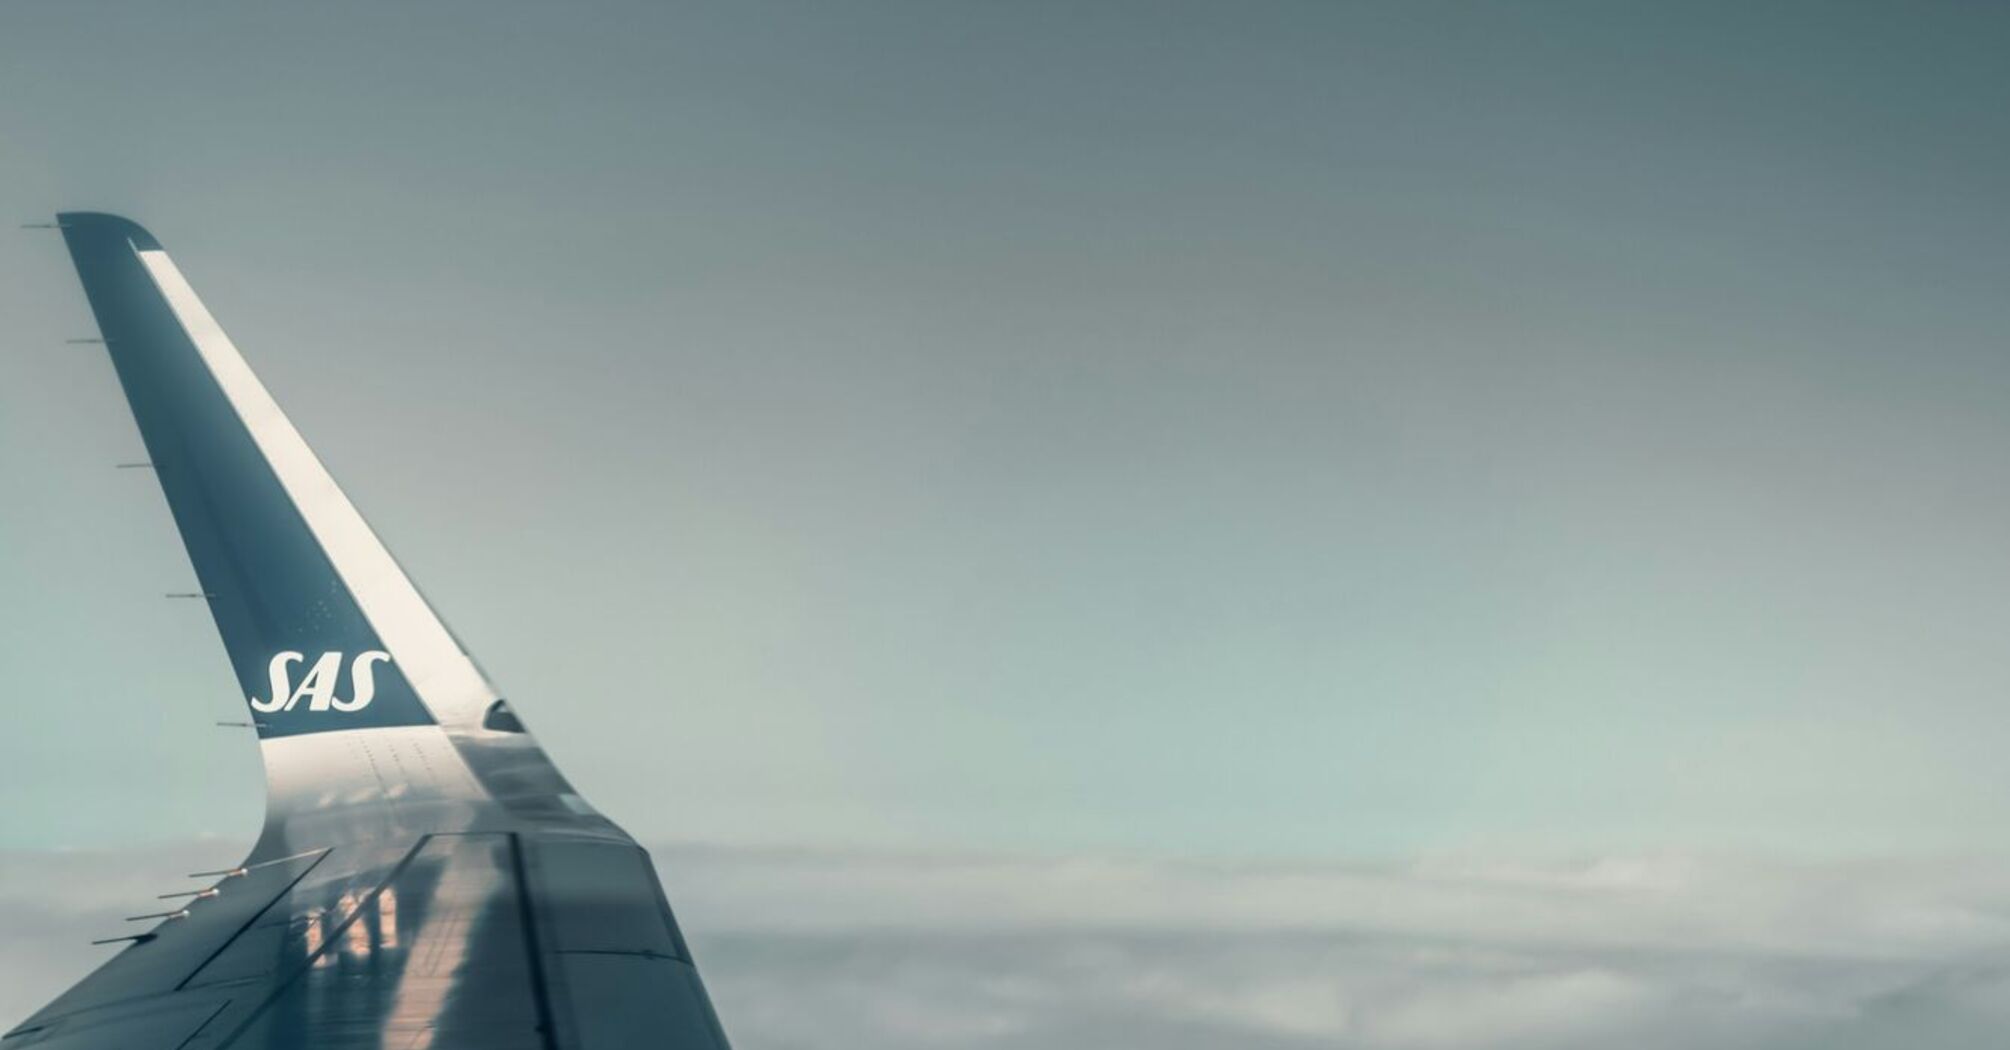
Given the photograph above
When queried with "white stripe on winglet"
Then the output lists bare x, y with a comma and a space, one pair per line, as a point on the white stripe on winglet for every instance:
443, 676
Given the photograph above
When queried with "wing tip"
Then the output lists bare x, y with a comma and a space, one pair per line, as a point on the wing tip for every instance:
85, 223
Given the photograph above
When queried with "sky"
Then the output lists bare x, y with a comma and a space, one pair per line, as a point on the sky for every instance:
1171, 433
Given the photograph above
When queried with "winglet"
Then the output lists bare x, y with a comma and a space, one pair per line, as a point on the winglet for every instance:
323, 628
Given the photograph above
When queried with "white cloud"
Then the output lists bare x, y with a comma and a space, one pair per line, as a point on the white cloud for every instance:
809, 950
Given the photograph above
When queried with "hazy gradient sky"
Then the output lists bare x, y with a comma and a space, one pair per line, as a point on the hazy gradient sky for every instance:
1199, 429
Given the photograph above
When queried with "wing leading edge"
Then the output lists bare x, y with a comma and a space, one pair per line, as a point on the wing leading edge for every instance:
426, 878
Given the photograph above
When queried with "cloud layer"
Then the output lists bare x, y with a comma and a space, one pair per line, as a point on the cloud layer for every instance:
812, 950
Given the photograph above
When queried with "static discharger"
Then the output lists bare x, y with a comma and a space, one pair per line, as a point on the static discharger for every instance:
136, 938
241, 869
181, 913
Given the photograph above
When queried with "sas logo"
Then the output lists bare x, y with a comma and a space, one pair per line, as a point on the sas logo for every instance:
318, 687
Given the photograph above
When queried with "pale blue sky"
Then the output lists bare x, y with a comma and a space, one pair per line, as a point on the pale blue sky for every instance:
1194, 429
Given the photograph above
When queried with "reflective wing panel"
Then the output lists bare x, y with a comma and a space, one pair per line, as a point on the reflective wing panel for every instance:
425, 878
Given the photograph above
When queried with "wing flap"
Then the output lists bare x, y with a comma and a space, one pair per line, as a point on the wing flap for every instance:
622, 974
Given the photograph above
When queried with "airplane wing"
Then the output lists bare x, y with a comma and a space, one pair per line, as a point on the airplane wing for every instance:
425, 878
